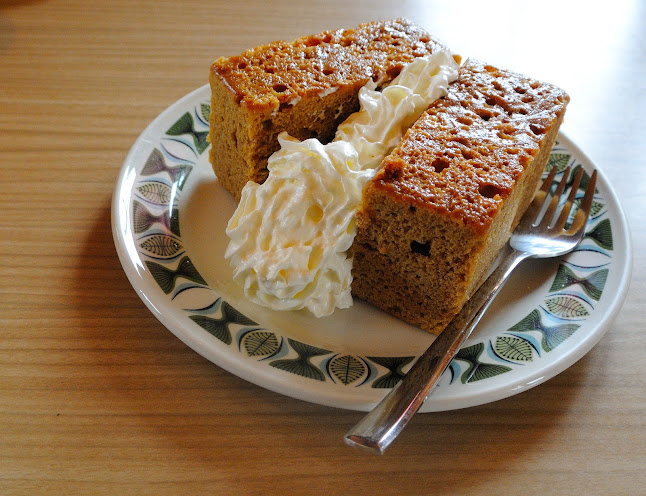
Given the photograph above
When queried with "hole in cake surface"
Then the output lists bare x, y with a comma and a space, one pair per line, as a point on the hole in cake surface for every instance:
393, 72
536, 129
489, 190
439, 164
242, 65
484, 114
421, 248
327, 71
310, 42
391, 171
520, 90
280, 88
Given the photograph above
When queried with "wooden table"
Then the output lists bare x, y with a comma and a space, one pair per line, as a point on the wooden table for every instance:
97, 397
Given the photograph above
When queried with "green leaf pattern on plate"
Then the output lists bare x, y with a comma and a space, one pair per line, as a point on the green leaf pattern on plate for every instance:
161, 245
558, 160
260, 343
566, 306
514, 348
347, 368
155, 192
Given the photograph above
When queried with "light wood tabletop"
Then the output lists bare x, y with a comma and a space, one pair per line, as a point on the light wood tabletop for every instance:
98, 397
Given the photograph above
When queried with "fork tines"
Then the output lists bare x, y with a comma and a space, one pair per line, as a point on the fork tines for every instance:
551, 218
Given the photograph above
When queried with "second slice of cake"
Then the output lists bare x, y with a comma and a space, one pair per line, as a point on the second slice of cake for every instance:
445, 201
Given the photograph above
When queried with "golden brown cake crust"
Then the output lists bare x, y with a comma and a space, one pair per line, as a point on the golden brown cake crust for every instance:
463, 158
445, 201
279, 72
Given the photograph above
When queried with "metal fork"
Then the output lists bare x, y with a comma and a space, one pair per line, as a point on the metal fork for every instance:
537, 236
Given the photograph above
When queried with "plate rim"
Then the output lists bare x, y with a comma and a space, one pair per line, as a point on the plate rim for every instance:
240, 366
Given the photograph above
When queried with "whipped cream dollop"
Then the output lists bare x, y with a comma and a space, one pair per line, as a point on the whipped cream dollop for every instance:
385, 116
289, 237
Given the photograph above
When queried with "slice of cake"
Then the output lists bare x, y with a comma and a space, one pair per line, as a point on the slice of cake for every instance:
306, 88
445, 201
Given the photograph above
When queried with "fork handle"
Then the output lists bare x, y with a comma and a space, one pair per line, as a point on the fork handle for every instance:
381, 426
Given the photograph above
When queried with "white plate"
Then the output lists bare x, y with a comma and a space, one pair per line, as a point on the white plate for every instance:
168, 220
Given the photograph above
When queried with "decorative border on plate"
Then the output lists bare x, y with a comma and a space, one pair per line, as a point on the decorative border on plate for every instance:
570, 301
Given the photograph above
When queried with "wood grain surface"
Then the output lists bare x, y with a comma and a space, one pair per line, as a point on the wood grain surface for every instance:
97, 397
